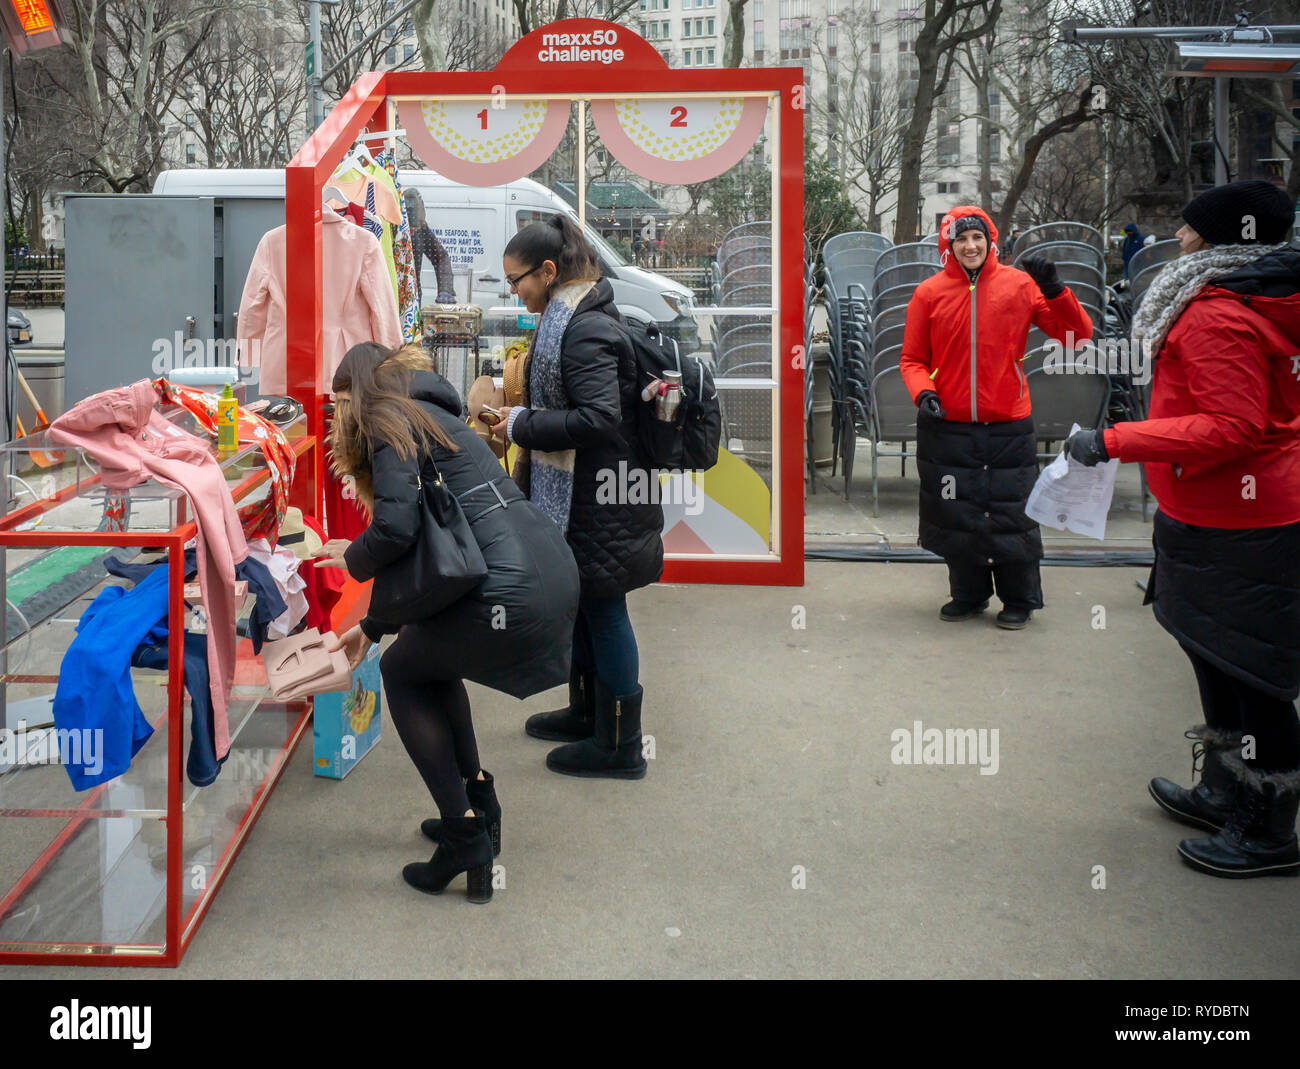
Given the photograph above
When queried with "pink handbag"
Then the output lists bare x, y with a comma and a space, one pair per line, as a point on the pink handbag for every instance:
302, 665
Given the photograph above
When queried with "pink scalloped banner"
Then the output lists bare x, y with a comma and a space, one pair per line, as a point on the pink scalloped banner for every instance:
476, 144
679, 141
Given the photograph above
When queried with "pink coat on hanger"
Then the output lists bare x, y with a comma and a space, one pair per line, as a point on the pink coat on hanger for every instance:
123, 432
359, 303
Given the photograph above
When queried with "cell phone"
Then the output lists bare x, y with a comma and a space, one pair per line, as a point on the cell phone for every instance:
489, 416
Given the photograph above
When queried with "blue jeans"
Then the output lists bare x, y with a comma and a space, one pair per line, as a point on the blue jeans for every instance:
603, 642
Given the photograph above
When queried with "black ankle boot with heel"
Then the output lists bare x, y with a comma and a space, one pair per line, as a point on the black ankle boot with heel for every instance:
571, 724
483, 799
465, 847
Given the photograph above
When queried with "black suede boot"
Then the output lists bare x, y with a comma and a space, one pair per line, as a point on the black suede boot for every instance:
1209, 803
614, 750
483, 798
573, 723
464, 847
1259, 838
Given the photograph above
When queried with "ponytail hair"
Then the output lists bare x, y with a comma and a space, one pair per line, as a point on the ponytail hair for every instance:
559, 240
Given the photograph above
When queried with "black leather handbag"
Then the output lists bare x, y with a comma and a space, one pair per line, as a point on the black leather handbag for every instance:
442, 566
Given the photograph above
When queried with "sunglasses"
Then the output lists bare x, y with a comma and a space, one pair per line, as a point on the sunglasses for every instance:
519, 278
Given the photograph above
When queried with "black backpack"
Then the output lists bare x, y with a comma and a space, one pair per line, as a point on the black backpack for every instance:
690, 441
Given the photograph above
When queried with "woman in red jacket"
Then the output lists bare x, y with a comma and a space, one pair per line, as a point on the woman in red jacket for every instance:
1222, 455
975, 444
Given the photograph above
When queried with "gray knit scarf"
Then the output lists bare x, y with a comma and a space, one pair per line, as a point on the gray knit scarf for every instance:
549, 478
1180, 281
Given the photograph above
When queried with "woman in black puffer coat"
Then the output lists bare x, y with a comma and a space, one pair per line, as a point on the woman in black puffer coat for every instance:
577, 432
395, 420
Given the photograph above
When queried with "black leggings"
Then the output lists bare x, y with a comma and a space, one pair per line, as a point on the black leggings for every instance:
433, 721
1231, 705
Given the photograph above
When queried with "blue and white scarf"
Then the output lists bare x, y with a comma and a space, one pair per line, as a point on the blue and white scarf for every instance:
550, 475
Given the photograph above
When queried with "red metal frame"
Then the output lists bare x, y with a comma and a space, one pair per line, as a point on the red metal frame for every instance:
176, 939
520, 74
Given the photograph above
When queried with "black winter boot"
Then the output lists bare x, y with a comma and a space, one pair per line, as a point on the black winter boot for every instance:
464, 847
614, 750
962, 610
483, 797
573, 723
1209, 803
1259, 838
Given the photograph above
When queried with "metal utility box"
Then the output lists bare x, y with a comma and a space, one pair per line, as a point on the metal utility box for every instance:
154, 282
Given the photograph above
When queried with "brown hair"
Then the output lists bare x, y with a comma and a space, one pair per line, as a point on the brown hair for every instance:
380, 407
559, 240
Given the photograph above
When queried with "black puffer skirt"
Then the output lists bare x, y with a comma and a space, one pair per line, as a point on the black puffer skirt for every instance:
975, 479
1232, 596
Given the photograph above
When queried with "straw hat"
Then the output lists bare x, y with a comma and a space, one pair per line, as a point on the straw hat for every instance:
512, 378
298, 537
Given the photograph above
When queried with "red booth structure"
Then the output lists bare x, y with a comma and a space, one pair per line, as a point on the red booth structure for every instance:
634, 98
124, 874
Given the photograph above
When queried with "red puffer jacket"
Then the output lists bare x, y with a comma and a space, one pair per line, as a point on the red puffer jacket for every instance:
966, 340
1222, 443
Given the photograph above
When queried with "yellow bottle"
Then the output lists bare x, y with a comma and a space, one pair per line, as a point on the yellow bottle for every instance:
227, 421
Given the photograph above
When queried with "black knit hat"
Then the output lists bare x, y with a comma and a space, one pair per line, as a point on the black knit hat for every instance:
1241, 213
967, 222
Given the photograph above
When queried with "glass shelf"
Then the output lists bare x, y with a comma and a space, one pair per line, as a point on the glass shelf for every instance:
153, 506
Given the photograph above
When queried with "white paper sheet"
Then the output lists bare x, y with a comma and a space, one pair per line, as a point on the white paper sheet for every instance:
1073, 497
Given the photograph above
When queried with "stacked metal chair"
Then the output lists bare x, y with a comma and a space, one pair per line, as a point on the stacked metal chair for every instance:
1079, 253
892, 412
1146, 264
1080, 257
850, 260
742, 278
1132, 398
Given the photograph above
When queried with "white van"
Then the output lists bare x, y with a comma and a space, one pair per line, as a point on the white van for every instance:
474, 223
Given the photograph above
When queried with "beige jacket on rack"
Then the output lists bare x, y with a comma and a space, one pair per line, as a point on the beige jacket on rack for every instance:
359, 303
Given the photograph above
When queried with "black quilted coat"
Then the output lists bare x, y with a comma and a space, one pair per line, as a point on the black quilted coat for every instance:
513, 632
618, 546
975, 479
1233, 596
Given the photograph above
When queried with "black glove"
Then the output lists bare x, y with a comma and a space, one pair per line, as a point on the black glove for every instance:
1044, 273
928, 402
1088, 447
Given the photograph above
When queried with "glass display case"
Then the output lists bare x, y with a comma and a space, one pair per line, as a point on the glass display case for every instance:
120, 873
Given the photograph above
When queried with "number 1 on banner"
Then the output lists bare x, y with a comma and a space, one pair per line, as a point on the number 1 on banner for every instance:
482, 119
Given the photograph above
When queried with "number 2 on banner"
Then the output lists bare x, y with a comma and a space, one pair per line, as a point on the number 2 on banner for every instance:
679, 116
482, 119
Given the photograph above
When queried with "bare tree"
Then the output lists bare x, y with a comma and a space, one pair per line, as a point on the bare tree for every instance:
1268, 95
1137, 89
428, 32
1077, 116
946, 25
1066, 183
860, 118
733, 34
114, 87
529, 14
246, 93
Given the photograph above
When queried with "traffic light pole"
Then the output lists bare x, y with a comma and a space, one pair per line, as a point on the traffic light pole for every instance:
316, 76
315, 83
